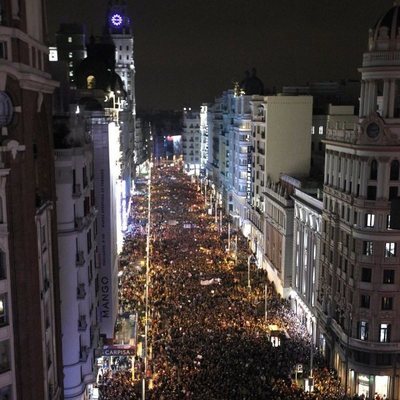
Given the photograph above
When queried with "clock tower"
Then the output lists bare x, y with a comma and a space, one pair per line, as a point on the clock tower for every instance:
119, 29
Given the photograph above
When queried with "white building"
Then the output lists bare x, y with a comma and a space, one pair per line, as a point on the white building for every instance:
78, 258
191, 141
359, 280
306, 261
281, 144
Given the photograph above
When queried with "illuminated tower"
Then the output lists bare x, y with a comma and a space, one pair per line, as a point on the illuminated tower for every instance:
120, 30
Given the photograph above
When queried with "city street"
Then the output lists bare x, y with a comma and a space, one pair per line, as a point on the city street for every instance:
207, 335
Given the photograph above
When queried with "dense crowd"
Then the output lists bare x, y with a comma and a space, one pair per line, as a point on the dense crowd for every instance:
207, 337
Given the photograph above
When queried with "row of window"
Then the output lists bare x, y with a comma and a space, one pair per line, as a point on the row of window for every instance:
390, 249
388, 276
386, 302
383, 334
345, 214
394, 170
320, 130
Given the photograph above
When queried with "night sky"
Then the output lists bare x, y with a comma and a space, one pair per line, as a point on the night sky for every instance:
188, 51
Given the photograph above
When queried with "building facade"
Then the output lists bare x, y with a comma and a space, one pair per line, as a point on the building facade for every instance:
77, 240
191, 141
30, 325
359, 283
281, 145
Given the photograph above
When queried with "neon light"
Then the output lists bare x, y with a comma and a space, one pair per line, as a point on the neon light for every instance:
116, 20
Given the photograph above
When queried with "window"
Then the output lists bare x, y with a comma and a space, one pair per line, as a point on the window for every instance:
387, 303
321, 130
69, 39
384, 333
388, 276
3, 51
89, 241
4, 356
393, 191
363, 330
364, 301
369, 220
70, 54
3, 309
366, 274
43, 235
3, 267
388, 221
373, 170
383, 359
368, 248
390, 249
371, 192
312, 130
394, 170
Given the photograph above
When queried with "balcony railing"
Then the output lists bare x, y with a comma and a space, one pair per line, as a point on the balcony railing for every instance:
76, 191
81, 292
84, 353
82, 324
80, 258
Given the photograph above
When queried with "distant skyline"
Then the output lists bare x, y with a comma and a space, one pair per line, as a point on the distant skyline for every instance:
189, 52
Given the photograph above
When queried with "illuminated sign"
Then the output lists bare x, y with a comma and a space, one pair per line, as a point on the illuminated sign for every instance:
116, 19
119, 350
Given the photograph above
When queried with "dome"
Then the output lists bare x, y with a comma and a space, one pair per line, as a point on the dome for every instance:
97, 70
386, 31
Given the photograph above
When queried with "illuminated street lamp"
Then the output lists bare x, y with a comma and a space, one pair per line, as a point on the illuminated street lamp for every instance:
250, 259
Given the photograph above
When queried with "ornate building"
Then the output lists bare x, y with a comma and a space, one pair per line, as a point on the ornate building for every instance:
359, 283
30, 335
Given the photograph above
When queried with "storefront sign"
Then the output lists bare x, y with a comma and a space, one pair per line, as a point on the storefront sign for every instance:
119, 350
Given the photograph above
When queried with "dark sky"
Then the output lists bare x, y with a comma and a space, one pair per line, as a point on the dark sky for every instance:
189, 51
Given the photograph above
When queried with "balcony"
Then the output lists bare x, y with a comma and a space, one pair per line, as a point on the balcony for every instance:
81, 292
258, 118
80, 258
84, 353
82, 324
260, 150
76, 191
79, 223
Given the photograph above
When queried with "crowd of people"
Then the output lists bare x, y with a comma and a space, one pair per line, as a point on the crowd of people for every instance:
207, 337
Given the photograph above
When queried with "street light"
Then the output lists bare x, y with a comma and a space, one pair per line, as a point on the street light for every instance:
250, 259
266, 302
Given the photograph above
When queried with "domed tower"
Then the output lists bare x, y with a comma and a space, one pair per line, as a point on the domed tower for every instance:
380, 71
359, 279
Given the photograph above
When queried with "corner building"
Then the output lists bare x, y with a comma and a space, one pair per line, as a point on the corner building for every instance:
359, 288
